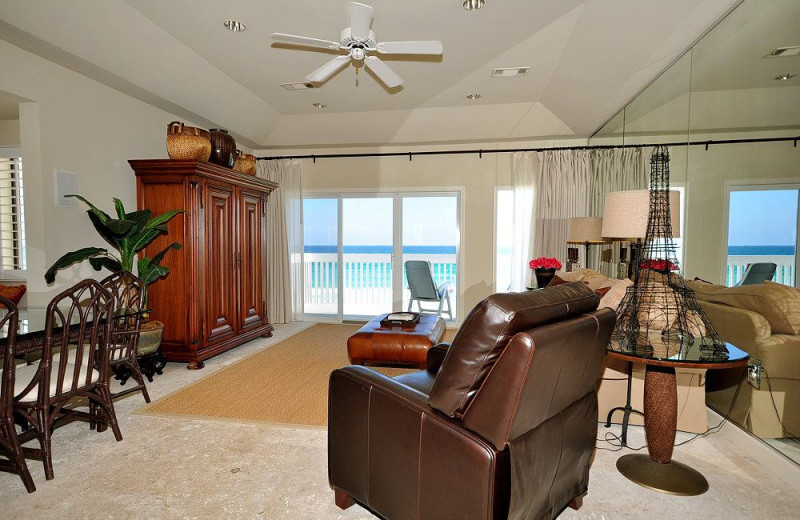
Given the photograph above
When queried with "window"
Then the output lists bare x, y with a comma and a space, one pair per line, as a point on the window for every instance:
12, 215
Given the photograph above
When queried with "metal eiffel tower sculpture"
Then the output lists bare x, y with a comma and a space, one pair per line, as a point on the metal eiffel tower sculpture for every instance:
659, 314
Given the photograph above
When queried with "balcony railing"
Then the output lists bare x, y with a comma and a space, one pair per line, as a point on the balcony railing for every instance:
737, 265
367, 281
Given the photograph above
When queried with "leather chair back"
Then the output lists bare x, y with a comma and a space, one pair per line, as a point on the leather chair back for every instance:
488, 329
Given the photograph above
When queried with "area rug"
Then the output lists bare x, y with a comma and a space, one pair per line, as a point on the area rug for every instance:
286, 383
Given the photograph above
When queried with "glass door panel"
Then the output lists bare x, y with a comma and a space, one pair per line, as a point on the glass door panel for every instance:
320, 256
367, 246
430, 232
762, 227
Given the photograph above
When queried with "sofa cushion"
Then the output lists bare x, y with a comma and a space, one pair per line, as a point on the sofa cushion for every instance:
779, 304
13, 292
487, 330
615, 294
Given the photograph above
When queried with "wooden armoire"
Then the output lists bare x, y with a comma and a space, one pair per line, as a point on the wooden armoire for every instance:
214, 297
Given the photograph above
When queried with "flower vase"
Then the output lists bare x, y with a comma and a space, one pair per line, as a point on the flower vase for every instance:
544, 277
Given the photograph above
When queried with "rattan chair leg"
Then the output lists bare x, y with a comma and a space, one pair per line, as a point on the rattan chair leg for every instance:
15, 457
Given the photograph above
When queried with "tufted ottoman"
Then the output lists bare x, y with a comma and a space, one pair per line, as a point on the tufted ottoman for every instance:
395, 345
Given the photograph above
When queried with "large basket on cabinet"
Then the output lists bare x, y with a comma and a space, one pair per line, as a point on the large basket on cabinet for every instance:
188, 142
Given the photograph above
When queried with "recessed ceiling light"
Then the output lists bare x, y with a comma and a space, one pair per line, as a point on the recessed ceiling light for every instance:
234, 25
471, 5
318, 105
473, 97
509, 72
784, 51
300, 85
787, 76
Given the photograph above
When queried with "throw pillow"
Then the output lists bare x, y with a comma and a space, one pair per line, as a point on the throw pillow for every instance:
557, 280
13, 292
614, 296
602, 291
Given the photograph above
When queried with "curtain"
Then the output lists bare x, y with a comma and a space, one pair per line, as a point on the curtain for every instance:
614, 169
284, 240
561, 190
524, 168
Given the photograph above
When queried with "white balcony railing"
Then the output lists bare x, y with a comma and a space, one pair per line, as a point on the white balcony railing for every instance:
367, 282
737, 265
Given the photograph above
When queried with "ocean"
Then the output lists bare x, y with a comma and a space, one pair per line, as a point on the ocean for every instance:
387, 250
761, 250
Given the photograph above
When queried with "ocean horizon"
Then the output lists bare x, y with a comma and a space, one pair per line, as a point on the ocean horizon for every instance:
761, 250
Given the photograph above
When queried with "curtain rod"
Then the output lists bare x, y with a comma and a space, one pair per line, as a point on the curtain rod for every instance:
481, 152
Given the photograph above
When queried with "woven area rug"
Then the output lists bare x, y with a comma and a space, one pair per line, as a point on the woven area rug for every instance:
286, 383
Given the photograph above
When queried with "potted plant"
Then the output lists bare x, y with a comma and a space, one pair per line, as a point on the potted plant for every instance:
128, 234
545, 269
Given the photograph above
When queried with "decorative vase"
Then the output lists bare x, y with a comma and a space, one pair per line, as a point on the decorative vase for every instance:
245, 163
151, 359
187, 142
544, 277
223, 148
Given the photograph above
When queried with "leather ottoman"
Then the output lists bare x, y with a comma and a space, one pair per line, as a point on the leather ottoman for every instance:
395, 345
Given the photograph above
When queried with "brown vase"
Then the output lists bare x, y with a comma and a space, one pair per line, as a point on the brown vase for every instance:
544, 277
223, 148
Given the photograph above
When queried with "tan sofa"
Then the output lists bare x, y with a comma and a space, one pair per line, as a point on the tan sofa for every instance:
763, 320
612, 384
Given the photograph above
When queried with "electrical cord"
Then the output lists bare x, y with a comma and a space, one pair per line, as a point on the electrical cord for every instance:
616, 441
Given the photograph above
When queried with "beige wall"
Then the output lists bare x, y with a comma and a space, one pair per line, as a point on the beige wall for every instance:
78, 125
9, 133
477, 176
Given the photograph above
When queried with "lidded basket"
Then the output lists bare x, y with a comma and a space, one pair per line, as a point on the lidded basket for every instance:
244, 163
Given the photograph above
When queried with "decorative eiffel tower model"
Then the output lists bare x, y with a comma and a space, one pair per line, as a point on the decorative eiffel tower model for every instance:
659, 315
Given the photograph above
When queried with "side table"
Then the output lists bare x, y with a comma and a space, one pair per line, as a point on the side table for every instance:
657, 470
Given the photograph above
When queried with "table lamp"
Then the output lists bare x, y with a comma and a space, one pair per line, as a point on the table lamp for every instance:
586, 231
625, 218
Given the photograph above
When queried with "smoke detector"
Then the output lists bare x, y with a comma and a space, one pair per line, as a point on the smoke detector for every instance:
509, 72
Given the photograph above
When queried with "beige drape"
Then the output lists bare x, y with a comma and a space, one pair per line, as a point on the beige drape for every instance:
284, 240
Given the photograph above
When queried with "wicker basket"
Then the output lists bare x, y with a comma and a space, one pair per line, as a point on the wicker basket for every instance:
244, 163
187, 142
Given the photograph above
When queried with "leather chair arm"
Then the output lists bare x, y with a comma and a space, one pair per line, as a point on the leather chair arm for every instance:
436, 355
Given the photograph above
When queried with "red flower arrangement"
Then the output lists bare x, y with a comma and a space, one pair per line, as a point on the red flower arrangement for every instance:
544, 263
659, 265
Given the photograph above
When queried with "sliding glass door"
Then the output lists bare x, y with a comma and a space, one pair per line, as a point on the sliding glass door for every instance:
356, 246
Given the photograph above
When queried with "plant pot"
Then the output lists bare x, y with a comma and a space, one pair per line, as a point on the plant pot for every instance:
187, 142
223, 148
544, 277
244, 163
151, 359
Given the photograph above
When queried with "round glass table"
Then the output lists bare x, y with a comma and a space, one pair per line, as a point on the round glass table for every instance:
657, 470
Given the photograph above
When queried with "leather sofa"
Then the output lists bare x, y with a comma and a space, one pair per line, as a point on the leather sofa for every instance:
763, 320
501, 424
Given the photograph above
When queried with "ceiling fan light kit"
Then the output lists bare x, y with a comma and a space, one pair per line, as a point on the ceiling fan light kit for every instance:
359, 42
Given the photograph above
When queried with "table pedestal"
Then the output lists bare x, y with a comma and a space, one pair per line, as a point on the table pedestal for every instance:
657, 470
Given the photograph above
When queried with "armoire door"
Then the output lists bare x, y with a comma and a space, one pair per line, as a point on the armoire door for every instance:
220, 262
250, 257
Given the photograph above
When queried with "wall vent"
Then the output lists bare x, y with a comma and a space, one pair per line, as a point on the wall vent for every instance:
509, 72
780, 52
300, 85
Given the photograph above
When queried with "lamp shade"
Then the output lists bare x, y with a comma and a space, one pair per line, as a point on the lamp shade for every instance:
585, 229
626, 212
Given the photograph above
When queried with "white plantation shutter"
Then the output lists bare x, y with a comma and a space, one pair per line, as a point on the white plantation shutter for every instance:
12, 215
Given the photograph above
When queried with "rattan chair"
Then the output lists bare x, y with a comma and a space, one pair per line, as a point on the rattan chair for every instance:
9, 440
127, 290
75, 363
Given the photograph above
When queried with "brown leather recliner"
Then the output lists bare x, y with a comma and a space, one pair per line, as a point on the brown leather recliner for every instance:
502, 424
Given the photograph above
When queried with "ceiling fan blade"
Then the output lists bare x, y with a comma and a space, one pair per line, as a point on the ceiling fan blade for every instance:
325, 72
360, 19
420, 47
304, 40
382, 70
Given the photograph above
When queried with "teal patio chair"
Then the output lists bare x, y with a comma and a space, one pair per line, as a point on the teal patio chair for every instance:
758, 272
424, 289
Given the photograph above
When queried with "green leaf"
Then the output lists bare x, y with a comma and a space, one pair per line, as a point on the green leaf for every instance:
119, 227
164, 218
141, 218
160, 256
70, 258
103, 216
109, 262
104, 231
120, 209
140, 241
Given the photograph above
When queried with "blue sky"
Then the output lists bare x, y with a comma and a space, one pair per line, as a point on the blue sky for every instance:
368, 221
763, 218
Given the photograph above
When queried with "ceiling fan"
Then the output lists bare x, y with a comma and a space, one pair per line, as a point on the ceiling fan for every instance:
358, 41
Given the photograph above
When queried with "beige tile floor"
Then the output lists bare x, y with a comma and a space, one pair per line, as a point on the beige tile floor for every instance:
184, 468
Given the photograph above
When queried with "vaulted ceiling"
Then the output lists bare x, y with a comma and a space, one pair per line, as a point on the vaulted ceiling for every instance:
587, 59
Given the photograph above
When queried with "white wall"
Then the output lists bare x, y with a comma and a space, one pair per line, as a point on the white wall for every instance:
9, 132
78, 125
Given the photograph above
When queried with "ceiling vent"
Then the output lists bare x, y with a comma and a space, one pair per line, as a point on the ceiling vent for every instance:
509, 72
784, 51
300, 85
